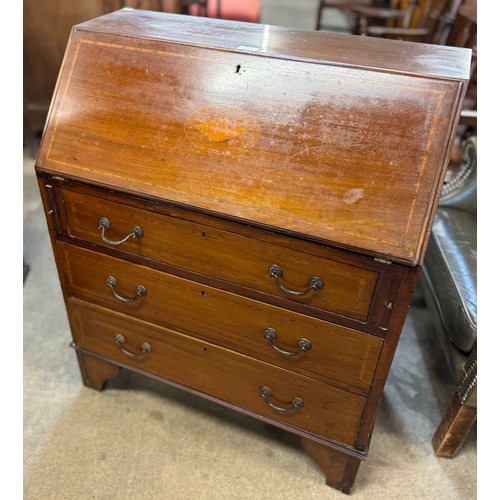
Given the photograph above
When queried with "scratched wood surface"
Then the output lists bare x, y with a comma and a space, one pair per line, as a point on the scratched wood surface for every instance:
336, 152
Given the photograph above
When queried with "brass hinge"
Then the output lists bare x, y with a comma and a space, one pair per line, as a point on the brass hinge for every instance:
52, 206
51, 201
382, 261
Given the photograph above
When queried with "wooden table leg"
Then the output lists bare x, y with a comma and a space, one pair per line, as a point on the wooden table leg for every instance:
339, 468
95, 371
455, 426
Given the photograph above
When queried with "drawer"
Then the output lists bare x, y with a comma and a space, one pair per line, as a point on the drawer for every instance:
237, 379
336, 355
347, 289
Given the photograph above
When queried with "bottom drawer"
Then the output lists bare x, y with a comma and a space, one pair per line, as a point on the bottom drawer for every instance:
235, 378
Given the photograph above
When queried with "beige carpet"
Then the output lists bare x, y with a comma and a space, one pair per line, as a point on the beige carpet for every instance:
140, 439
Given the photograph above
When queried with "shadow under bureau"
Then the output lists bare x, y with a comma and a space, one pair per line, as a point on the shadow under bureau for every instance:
242, 211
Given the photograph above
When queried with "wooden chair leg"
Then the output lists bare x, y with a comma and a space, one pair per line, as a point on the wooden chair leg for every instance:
455, 426
26, 269
318, 16
95, 371
339, 468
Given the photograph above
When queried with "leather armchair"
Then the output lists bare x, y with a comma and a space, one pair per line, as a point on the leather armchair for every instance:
449, 283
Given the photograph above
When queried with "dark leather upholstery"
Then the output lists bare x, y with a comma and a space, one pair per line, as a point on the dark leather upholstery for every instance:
451, 265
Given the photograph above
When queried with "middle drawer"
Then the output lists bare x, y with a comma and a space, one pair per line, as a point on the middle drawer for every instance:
333, 353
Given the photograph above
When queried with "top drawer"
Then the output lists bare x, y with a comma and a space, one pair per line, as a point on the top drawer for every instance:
346, 289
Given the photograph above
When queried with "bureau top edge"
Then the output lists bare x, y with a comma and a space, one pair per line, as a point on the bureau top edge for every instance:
417, 59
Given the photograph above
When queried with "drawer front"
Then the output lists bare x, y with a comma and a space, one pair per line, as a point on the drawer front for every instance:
335, 354
347, 289
218, 372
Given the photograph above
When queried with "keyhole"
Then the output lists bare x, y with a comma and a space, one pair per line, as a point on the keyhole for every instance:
238, 67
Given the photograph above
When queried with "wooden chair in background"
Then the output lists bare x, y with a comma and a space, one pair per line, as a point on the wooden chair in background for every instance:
347, 6
428, 21
412, 20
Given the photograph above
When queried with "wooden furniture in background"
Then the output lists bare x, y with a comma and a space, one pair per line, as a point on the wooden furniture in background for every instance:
341, 5
403, 19
242, 211
46, 25
45, 34
429, 21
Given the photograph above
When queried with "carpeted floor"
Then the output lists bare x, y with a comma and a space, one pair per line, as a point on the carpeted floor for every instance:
139, 439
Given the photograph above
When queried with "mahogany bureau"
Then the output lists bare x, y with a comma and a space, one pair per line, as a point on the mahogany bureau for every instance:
242, 210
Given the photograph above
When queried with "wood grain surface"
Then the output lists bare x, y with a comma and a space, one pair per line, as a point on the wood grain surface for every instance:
338, 354
329, 412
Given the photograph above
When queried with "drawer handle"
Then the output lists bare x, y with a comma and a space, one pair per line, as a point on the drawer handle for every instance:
265, 393
105, 225
315, 283
270, 335
140, 291
145, 347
